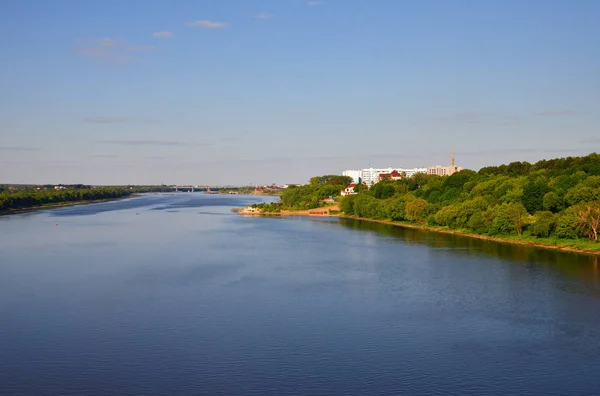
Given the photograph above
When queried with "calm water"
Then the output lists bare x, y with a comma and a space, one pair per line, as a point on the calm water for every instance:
175, 295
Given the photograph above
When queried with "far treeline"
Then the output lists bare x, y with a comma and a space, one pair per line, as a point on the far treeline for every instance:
556, 199
23, 197
308, 196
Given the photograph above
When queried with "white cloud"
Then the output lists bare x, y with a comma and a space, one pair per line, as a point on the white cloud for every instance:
112, 50
151, 143
555, 112
105, 42
163, 34
263, 15
119, 120
18, 148
208, 24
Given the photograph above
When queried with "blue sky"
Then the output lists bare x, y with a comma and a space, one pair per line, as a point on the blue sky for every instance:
262, 91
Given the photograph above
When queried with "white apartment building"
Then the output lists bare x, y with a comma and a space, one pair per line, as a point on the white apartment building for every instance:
370, 176
356, 175
413, 171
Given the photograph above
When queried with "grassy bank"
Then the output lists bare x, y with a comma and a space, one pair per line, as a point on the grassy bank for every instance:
578, 246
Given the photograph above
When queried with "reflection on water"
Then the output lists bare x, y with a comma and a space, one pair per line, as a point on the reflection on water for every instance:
176, 295
581, 267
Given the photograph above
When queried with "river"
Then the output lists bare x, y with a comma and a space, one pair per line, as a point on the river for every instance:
176, 295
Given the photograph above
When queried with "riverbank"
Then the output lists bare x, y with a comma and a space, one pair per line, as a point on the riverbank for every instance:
512, 240
333, 211
64, 205
326, 211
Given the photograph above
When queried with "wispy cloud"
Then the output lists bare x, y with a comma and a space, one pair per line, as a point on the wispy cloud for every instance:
460, 117
314, 3
18, 148
208, 24
105, 42
510, 120
107, 120
163, 34
139, 48
556, 112
107, 156
112, 50
517, 150
263, 15
151, 143
592, 140
118, 120
155, 157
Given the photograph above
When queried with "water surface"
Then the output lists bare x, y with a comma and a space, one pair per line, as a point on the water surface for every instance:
176, 295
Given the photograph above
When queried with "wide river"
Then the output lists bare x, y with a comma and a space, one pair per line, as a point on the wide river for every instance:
176, 295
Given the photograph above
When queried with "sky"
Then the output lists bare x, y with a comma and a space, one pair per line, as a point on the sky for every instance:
276, 91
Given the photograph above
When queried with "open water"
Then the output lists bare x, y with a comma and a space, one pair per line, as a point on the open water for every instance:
176, 295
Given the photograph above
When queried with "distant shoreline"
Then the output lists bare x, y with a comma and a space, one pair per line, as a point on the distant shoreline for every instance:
64, 205
308, 213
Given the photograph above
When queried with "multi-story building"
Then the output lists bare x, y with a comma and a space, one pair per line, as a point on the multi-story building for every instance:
356, 175
413, 171
371, 176
444, 170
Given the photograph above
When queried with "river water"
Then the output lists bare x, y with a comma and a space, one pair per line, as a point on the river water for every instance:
176, 295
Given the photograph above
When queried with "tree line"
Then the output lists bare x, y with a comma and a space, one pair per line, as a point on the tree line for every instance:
308, 196
28, 198
558, 198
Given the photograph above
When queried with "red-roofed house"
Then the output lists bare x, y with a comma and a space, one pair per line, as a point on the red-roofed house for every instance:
349, 190
394, 175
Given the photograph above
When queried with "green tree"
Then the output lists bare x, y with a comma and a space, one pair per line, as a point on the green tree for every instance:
588, 217
382, 190
553, 202
567, 225
510, 217
395, 209
543, 225
347, 205
416, 210
477, 223
533, 196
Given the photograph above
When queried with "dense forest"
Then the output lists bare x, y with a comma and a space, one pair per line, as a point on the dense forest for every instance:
555, 199
31, 197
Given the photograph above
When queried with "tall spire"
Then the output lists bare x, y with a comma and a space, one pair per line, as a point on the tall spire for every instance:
453, 159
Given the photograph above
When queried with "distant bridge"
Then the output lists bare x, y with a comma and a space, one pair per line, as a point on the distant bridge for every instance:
207, 189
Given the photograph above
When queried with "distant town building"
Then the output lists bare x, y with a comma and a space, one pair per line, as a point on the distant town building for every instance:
370, 176
412, 171
356, 175
394, 175
444, 170
349, 190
